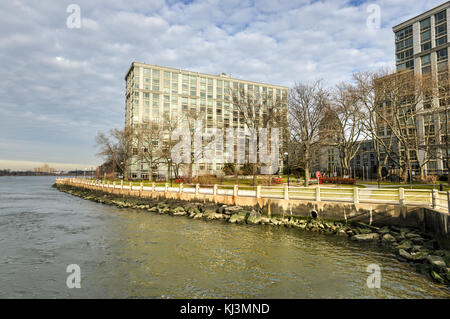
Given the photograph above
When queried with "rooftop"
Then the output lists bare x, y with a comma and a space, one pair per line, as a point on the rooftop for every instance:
421, 16
222, 75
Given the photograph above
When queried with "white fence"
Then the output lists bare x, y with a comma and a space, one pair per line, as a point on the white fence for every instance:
401, 196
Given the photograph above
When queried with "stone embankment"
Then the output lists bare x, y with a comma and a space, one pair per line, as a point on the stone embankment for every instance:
408, 244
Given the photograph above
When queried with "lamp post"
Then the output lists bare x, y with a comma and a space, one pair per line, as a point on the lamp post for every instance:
123, 171
287, 162
84, 173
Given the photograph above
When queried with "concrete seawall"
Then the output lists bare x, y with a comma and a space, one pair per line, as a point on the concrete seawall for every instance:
426, 219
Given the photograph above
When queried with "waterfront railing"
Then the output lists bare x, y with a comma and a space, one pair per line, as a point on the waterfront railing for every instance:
401, 196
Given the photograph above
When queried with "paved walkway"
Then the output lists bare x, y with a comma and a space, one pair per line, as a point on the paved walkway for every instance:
392, 185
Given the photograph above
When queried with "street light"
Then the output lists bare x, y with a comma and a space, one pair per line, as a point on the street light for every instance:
123, 171
287, 161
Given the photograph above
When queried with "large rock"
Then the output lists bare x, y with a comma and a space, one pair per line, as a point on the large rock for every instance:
365, 231
411, 257
231, 210
209, 214
198, 216
275, 221
387, 238
406, 245
384, 230
238, 218
153, 209
164, 210
437, 262
366, 237
437, 277
254, 217
447, 258
412, 235
180, 213
342, 232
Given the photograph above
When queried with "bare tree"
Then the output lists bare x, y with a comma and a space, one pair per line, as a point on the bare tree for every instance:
166, 144
259, 110
148, 136
308, 104
404, 100
193, 121
443, 124
349, 125
368, 101
117, 147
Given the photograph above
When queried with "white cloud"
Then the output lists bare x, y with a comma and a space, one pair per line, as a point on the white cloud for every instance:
72, 80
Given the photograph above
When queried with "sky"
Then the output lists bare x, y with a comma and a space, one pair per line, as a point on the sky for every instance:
60, 84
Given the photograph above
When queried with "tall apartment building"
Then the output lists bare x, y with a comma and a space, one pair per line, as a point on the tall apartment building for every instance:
158, 94
422, 47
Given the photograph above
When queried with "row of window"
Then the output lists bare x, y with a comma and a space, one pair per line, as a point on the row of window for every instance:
190, 82
442, 59
404, 40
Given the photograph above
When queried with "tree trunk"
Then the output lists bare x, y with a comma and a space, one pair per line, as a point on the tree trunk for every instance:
422, 172
255, 167
306, 174
168, 172
404, 173
379, 173
150, 171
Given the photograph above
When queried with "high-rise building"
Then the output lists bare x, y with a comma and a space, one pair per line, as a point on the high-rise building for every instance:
156, 94
421, 43
422, 47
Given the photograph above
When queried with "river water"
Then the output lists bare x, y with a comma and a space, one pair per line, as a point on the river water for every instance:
126, 253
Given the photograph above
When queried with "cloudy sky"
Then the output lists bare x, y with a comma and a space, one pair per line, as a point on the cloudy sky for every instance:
59, 86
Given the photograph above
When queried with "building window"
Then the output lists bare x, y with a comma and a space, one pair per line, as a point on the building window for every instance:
440, 17
441, 40
442, 54
441, 28
425, 24
404, 48
426, 64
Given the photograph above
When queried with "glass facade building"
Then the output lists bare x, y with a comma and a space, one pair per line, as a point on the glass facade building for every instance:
157, 94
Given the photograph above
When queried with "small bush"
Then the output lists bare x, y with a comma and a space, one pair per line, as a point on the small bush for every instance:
180, 180
443, 178
228, 169
247, 169
206, 179
429, 179
337, 180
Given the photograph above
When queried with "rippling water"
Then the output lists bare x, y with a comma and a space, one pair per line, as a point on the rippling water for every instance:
128, 253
